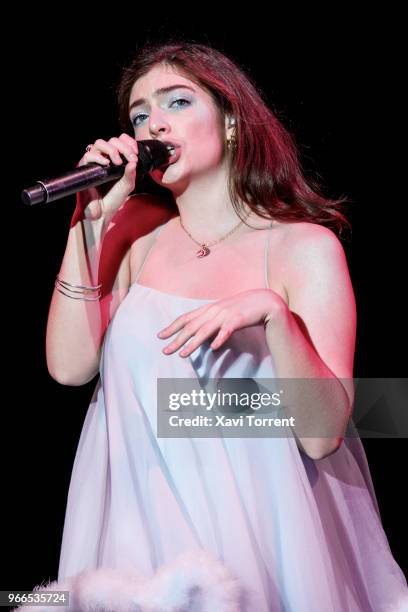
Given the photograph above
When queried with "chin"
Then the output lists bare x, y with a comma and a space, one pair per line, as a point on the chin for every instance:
169, 177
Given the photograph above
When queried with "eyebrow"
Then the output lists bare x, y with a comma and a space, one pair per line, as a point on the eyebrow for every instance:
158, 92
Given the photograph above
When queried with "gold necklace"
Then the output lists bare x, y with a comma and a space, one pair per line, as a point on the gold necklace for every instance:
204, 247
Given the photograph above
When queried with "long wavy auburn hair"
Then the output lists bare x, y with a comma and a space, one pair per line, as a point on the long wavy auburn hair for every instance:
264, 168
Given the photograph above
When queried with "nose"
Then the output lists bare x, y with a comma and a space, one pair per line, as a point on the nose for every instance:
158, 125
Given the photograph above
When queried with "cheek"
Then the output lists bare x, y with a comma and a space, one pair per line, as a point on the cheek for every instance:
204, 146
204, 138
201, 122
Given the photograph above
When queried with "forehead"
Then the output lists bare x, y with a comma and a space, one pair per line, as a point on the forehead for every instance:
159, 76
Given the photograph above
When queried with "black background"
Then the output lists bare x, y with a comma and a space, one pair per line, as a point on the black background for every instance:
334, 80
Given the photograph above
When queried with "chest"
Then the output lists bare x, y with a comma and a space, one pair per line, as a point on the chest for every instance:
252, 261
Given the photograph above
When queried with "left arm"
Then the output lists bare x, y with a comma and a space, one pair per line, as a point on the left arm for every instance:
314, 336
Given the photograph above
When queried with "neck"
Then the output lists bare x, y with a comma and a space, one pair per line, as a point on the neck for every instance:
205, 206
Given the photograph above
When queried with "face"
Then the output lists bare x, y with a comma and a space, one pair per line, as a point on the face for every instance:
184, 115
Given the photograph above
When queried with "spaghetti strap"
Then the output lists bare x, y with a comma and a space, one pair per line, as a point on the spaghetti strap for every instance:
266, 255
148, 251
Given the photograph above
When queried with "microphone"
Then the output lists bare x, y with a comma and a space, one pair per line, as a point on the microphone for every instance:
151, 154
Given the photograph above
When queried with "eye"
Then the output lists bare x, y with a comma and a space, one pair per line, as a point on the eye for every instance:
135, 121
180, 100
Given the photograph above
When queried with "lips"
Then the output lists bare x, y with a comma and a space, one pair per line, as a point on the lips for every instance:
174, 154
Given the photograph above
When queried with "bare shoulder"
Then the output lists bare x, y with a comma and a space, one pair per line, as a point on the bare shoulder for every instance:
307, 240
305, 231
301, 250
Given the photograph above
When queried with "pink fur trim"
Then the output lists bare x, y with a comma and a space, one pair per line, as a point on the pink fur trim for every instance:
196, 580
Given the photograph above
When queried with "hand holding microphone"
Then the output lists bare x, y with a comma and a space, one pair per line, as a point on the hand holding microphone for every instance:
91, 202
119, 158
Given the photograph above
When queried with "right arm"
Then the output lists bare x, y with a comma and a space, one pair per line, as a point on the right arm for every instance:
76, 327
104, 230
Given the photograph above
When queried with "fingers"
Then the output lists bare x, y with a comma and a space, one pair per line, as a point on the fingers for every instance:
199, 329
199, 333
122, 145
93, 155
222, 335
106, 152
180, 322
130, 142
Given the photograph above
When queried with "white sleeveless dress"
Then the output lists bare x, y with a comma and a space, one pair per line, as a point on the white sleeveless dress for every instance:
212, 524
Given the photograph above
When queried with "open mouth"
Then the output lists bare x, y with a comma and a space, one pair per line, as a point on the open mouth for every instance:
174, 156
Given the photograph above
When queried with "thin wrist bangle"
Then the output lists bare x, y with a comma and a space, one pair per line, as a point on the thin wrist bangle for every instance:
87, 299
60, 280
82, 291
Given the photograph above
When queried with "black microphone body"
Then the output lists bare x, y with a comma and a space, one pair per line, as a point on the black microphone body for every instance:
151, 155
